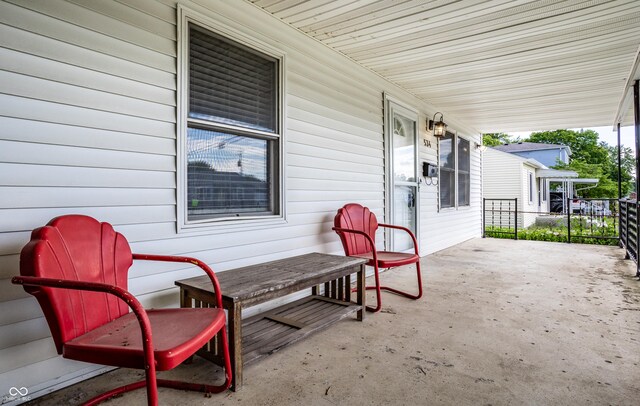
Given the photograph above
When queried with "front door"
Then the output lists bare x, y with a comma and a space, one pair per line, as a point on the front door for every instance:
403, 179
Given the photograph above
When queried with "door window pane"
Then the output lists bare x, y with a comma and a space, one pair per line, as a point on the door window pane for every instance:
404, 159
404, 214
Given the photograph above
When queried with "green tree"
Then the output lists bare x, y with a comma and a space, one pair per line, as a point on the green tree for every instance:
494, 139
627, 166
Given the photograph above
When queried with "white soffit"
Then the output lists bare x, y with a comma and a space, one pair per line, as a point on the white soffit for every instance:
624, 114
499, 65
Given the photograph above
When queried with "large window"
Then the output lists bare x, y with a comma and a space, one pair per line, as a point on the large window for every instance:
455, 171
232, 128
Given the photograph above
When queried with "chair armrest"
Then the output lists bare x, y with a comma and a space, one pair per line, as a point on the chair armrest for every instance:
413, 237
367, 236
124, 295
74, 285
193, 261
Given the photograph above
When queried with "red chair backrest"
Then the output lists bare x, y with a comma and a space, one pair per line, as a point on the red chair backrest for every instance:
79, 248
356, 217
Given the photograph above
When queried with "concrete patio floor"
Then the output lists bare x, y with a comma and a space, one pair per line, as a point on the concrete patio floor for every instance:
501, 322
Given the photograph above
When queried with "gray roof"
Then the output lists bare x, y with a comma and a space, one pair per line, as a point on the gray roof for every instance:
529, 146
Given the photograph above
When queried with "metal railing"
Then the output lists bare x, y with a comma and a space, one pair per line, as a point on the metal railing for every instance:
590, 221
629, 230
501, 217
593, 219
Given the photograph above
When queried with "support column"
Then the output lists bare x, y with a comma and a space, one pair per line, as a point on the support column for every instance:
619, 165
636, 117
619, 188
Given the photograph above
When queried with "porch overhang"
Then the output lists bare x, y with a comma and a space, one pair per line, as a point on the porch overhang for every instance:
555, 173
499, 66
624, 114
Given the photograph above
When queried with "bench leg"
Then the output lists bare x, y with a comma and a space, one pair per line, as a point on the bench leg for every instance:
234, 313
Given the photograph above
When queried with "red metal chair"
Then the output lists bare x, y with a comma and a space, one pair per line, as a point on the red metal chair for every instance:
356, 226
77, 269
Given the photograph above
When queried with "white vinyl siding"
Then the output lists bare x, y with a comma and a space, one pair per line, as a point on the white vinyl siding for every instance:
440, 229
88, 125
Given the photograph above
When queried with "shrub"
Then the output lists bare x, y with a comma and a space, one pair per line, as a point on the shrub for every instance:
585, 230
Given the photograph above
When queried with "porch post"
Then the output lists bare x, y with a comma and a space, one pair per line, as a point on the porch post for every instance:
619, 166
636, 117
619, 188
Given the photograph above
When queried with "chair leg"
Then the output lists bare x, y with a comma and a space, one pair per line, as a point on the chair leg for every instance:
377, 287
406, 294
152, 383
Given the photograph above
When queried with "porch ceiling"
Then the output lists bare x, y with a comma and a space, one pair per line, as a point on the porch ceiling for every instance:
500, 65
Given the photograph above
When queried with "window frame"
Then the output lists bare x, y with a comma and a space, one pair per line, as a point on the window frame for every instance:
531, 187
210, 23
456, 173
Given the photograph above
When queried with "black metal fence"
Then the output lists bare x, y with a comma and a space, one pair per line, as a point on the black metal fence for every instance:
500, 218
629, 230
591, 221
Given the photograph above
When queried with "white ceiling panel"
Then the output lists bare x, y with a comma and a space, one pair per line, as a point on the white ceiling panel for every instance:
499, 65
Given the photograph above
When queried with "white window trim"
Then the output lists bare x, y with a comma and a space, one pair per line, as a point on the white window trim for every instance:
213, 22
457, 206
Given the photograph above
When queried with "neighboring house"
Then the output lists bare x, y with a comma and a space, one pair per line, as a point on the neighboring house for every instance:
547, 154
128, 111
508, 176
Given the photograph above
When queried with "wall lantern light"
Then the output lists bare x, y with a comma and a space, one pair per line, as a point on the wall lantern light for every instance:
438, 127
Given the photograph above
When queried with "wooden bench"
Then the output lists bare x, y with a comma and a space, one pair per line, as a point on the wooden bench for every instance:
328, 276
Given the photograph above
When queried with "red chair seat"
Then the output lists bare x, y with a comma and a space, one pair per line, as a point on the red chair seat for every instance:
177, 334
389, 259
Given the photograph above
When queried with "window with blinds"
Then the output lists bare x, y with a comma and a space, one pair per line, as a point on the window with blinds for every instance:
464, 171
447, 171
455, 171
232, 139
